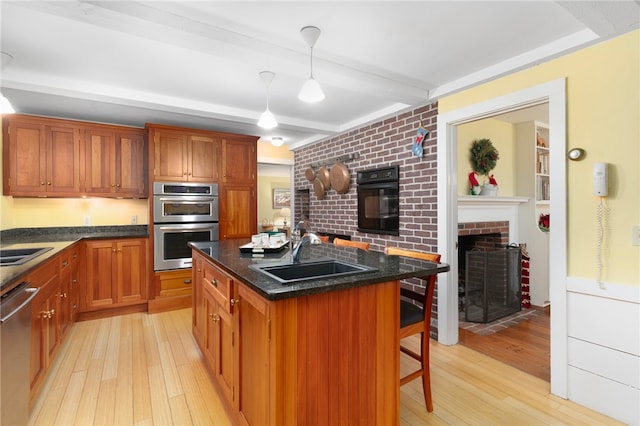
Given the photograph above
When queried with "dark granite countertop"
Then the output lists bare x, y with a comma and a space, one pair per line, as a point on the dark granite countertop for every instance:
59, 239
227, 255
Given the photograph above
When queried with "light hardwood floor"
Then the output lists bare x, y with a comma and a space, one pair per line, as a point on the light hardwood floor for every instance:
147, 369
525, 346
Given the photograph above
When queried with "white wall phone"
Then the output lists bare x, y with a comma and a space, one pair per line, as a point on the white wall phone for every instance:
600, 179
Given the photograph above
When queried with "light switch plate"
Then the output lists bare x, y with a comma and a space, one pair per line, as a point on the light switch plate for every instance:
86, 221
635, 238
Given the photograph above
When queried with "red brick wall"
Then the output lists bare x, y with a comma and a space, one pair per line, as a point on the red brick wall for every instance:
381, 144
479, 228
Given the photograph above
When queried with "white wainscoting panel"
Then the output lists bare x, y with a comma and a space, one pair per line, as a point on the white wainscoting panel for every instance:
603, 325
605, 396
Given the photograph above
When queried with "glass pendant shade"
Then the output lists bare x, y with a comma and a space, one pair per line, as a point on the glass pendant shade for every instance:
267, 119
311, 91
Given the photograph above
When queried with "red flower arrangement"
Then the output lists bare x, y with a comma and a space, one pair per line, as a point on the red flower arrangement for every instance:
543, 222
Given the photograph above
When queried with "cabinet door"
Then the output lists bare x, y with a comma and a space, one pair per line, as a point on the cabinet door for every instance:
198, 311
210, 341
238, 212
240, 161
63, 159
64, 296
170, 158
224, 368
38, 355
74, 282
131, 271
218, 342
203, 159
25, 160
99, 161
129, 165
100, 286
43, 328
252, 325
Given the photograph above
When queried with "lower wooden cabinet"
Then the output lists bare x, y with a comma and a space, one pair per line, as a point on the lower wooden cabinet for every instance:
117, 273
213, 322
69, 267
46, 321
253, 354
231, 327
327, 358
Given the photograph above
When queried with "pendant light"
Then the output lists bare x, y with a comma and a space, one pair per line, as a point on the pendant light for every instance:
5, 105
267, 119
311, 90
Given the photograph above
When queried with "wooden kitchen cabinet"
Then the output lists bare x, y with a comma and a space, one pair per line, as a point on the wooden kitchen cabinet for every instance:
213, 322
45, 335
117, 271
319, 358
40, 157
238, 192
183, 155
239, 161
231, 327
238, 211
115, 162
70, 276
64, 158
253, 372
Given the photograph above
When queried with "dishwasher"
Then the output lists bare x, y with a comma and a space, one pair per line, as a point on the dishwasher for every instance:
15, 344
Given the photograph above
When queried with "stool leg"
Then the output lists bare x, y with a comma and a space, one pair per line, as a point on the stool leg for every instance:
426, 371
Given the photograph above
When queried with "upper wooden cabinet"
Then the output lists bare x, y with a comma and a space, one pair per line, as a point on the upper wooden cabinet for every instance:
64, 158
238, 198
115, 162
240, 161
184, 155
40, 157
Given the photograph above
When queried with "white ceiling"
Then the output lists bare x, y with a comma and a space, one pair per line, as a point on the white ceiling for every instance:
197, 64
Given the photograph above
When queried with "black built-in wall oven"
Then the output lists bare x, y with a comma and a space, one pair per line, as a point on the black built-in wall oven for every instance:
378, 201
182, 212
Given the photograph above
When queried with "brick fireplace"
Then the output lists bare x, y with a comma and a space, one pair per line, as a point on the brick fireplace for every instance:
488, 225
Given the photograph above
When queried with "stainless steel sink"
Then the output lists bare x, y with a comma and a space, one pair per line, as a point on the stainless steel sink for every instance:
295, 272
12, 257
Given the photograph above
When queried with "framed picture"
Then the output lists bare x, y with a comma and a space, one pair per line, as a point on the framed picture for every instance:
281, 198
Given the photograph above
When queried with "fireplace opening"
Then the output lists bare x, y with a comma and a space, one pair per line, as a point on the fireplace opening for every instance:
492, 282
489, 274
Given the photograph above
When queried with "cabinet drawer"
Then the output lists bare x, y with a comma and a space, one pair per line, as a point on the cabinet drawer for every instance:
175, 283
219, 284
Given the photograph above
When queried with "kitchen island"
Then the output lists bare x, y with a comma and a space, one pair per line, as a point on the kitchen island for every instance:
322, 351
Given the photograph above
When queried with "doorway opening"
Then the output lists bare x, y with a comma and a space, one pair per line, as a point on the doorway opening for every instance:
553, 93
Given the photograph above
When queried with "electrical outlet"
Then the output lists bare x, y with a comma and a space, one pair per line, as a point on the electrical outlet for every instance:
635, 238
134, 219
86, 221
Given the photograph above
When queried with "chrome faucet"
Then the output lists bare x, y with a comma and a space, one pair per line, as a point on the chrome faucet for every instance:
308, 238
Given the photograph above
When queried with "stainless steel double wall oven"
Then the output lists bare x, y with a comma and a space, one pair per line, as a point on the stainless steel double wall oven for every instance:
182, 212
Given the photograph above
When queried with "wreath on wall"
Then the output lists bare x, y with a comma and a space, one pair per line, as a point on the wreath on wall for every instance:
484, 156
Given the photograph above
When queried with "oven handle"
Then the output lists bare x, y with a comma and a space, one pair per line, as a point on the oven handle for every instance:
187, 199
174, 228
